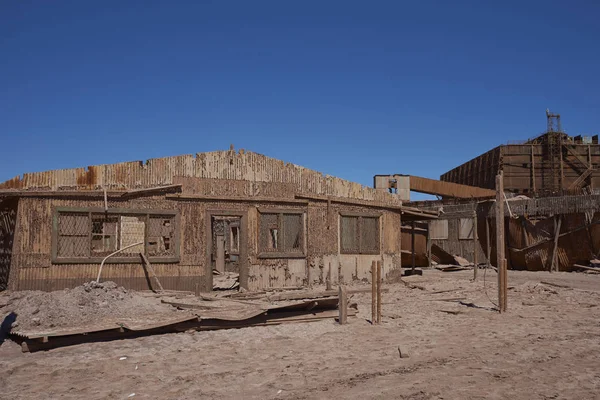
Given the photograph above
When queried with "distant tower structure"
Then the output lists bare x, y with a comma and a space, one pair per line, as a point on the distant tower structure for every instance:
553, 176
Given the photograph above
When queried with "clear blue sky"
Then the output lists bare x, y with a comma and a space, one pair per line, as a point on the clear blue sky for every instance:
348, 88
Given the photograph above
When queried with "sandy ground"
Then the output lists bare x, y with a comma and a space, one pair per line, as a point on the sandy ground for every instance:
546, 347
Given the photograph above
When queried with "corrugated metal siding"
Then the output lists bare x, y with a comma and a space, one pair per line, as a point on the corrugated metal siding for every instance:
233, 165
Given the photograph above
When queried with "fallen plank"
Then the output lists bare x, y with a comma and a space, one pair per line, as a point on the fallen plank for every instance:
596, 270
453, 312
448, 299
446, 291
316, 295
284, 288
556, 285
411, 285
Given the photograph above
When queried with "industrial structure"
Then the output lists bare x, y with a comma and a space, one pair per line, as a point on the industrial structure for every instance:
551, 190
274, 223
551, 164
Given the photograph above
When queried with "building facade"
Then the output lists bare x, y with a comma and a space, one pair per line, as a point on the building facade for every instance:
274, 223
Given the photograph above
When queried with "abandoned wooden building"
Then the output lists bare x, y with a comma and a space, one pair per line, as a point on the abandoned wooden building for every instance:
274, 223
541, 234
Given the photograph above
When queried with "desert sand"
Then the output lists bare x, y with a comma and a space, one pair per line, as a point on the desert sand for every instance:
547, 346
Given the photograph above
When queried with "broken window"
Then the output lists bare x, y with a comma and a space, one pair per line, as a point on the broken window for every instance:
90, 236
359, 234
281, 234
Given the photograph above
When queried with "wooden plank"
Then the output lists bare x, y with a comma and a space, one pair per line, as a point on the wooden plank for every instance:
597, 270
149, 266
313, 295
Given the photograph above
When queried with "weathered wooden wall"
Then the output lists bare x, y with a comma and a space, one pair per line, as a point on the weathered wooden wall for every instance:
33, 265
525, 167
8, 219
223, 165
35, 270
223, 180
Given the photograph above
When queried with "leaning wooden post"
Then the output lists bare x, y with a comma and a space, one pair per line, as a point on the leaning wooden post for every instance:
553, 260
378, 292
373, 292
500, 240
475, 245
343, 305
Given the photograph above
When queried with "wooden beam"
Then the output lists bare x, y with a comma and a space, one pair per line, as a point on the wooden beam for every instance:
249, 199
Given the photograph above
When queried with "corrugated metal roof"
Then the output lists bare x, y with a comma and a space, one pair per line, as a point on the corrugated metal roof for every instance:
241, 165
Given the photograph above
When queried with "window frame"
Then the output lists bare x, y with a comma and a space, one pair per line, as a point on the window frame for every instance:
134, 259
280, 212
360, 216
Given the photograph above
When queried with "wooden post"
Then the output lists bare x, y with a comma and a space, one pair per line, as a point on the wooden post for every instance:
412, 245
374, 292
504, 286
378, 292
428, 246
500, 240
553, 261
487, 242
475, 245
343, 305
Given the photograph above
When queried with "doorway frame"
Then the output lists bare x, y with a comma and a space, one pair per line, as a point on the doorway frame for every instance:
243, 249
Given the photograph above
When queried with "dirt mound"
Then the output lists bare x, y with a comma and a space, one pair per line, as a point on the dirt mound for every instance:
84, 304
